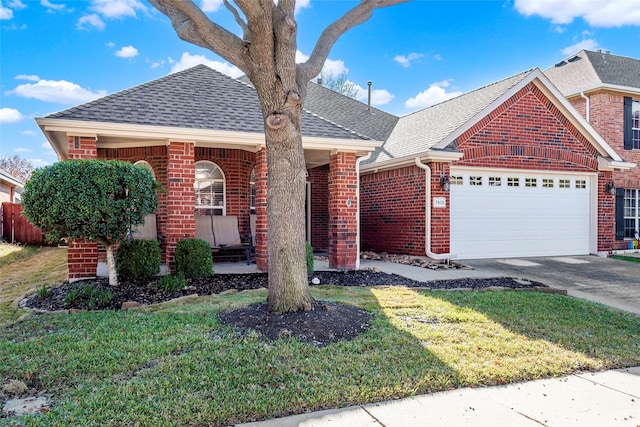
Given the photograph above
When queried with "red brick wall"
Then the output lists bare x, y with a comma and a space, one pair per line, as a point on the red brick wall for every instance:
318, 179
526, 132
343, 185
607, 117
392, 211
82, 256
82, 147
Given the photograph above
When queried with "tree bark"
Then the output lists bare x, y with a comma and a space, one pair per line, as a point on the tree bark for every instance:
266, 53
111, 266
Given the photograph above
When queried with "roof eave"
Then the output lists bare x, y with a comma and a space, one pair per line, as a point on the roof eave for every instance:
409, 160
605, 164
630, 90
57, 130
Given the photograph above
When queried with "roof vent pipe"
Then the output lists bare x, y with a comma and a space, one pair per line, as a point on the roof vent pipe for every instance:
369, 83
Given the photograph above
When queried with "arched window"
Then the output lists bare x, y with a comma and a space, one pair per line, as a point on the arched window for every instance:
210, 187
145, 165
252, 190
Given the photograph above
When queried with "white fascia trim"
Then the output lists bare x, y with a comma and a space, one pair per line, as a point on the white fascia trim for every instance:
199, 136
634, 91
605, 164
11, 180
427, 156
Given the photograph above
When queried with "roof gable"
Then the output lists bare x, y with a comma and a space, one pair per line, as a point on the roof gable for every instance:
425, 129
588, 70
196, 98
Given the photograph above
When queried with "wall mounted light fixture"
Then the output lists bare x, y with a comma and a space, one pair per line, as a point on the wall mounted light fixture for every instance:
445, 184
610, 188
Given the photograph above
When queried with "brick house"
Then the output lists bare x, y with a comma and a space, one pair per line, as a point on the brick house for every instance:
508, 170
201, 133
10, 187
605, 89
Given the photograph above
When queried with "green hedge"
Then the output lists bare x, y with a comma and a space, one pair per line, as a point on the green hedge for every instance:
310, 262
138, 259
193, 258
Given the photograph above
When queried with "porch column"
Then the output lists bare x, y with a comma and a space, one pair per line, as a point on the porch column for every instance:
181, 198
82, 255
262, 258
342, 205
440, 221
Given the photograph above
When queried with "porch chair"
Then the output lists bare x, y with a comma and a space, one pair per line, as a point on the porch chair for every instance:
148, 230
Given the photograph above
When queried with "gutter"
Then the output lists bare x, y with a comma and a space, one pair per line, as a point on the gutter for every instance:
427, 214
588, 108
358, 161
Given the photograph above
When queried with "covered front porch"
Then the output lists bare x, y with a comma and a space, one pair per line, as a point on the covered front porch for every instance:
228, 178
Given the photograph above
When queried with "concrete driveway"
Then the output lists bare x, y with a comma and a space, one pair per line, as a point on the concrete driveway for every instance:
605, 280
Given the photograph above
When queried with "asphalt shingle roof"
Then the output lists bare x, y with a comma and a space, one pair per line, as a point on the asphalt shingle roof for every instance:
197, 98
420, 131
587, 70
348, 112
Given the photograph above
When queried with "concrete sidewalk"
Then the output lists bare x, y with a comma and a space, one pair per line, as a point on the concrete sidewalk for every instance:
601, 399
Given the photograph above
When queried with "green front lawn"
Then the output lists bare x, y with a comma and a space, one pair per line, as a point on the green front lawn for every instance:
627, 258
174, 364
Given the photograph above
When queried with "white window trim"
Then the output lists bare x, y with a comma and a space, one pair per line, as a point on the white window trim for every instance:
222, 208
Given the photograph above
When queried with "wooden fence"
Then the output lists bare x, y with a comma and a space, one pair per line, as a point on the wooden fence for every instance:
16, 229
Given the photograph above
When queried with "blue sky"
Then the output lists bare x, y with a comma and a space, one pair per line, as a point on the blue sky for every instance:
57, 54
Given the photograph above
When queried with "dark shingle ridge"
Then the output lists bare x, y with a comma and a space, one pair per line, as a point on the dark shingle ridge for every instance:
128, 91
615, 69
196, 98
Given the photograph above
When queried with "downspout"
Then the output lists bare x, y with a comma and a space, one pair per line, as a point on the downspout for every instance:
358, 161
586, 98
427, 215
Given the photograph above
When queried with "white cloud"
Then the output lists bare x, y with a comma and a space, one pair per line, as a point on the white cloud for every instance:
127, 52
405, 61
59, 7
5, 13
39, 163
436, 93
378, 96
597, 13
334, 67
187, 61
117, 8
60, 91
301, 57
28, 133
93, 20
588, 44
111, 44
302, 4
210, 5
10, 115
22, 150
16, 4
31, 77
157, 64
437, 57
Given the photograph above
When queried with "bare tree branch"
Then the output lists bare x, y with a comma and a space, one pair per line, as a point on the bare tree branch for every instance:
193, 26
330, 35
238, 18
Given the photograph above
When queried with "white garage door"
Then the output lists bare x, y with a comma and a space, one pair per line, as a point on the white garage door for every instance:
496, 214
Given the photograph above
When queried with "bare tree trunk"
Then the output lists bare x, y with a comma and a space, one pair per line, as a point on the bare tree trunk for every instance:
111, 266
288, 280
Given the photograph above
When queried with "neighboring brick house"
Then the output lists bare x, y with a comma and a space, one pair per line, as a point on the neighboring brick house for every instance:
605, 89
508, 170
201, 133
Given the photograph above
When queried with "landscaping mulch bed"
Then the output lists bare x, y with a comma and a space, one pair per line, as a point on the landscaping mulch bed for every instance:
327, 323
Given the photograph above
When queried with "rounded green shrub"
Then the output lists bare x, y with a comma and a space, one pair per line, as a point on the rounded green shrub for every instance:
310, 265
138, 259
193, 258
